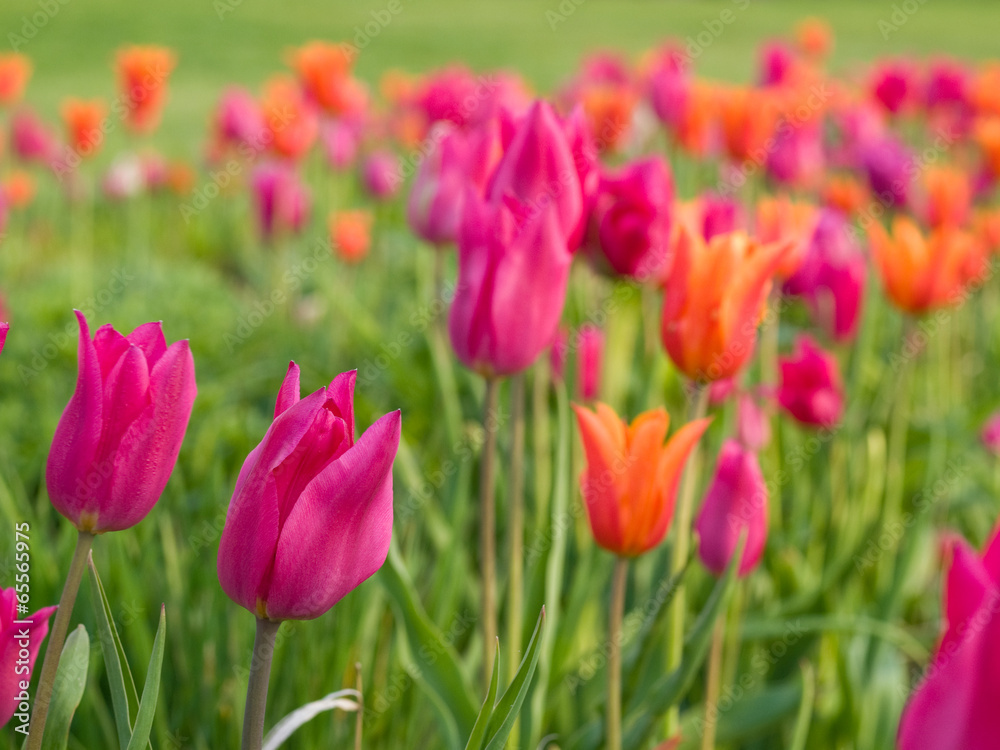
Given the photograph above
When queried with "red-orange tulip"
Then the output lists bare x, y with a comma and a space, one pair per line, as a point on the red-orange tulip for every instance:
985, 92
15, 70
291, 120
609, 114
846, 194
779, 219
143, 72
714, 299
748, 117
84, 120
325, 72
630, 483
351, 234
921, 273
19, 188
949, 196
987, 134
814, 37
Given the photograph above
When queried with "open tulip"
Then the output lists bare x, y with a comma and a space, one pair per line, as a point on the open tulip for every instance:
954, 708
118, 439
18, 634
30, 138
714, 299
736, 503
780, 219
513, 270
630, 483
921, 273
811, 389
143, 72
311, 516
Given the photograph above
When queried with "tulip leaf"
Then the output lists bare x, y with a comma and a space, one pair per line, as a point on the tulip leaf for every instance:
748, 717
124, 697
440, 675
509, 705
342, 699
151, 690
479, 730
71, 679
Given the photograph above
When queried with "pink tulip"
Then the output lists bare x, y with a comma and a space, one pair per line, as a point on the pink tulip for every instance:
118, 439
545, 162
630, 221
670, 88
280, 199
513, 270
380, 175
893, 85
557, 353
720, 214
589, 361
947, 85
777, 61
811, 389
311, 516
955, 706
4, 330
753, 426
796, 158
832, 277
449, 95
736, 503
31, 140
341, 139
457, 159
18, 634
990, 434
239, 120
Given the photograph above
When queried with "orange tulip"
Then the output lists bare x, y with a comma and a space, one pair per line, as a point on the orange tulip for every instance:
748, 118
987, 134
844, 193
949, 196
986, 89
351, 234
715, 297
143, 72
19, 188
987, 228
325, 72
921, 273
630, 483
814, 37
15, 70
83, 124
779, 219
609, 114
291, 120
694, 132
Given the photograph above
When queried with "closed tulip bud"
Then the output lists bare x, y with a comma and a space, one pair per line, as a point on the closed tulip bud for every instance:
753, 426
893, 85
31, 140
311, 516
811, 389
341, 139
513, 270
238, 120
630, 220
143, 72
15, 70
280, 199
887, 163
380, 175
19, 644
714, 299
84, 120
989, 436
324, 70
118, 439
630, 483
954, 707
589, 361
736, 503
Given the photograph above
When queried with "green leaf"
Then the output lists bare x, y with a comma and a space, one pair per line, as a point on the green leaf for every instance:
479, 731
439, 675
748, 717
508, 707
124, 697
71, 679
151, 690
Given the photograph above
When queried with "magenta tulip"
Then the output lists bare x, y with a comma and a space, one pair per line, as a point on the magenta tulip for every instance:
776, 61
990, 434
630, 222
19, 637
239, 121
720, 214
341, 139
736, 503
955, 707
458, 159
893, 85
513, 270
380, 175
311, 516
753, 426
31, 140
811, 389
4, 330
118, 439
589, 361
670, 87
280, 199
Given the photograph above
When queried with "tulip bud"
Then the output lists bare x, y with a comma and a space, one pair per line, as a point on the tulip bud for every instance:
590, 359
380, 175
311, 516
340, 139
811, 389
280, 198
118, 439
736, 503
19, 645
143, 72
990, 434
753, 426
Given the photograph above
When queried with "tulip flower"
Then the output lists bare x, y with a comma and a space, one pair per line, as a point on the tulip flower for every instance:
590, 360
84, 120
753, 426
797, 157
989, 435
18, 188
814, 37
118, 439
290, 119
31, 140
714, 299
888, 165
925, 273
735, 503
630, 220
954, 708
446, 96
341, 139
609, 112
143, 72
949, 196
748, 118
947, 85
15, 70
630, 483
513, 270
781, 220
776, 61
831, 278
457, 159
893, 85
811, 389
710, 214
669, 87
325, 72
311, 516
18, 634
239, 122
351, 234
280, 198
380, 175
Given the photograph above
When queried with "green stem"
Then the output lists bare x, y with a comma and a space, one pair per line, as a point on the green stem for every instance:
514, 605
618, 581
57, 638
487, 525
712, 689
541, 434
260, 673
698, 406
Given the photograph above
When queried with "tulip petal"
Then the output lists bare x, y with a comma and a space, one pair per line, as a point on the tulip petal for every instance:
126, 396
149, 337
110, 346
969, 584
341, 391
288, 394
10, 654
339, 531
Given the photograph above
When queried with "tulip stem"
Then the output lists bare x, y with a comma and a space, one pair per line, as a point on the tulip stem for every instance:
57, 638
618, 581
260, 674
698, 405
487, 525
514, 607
714, 678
